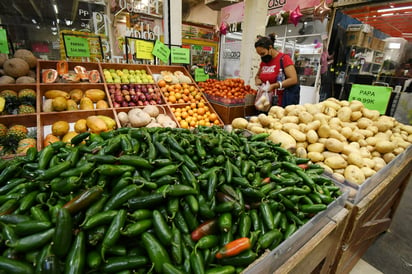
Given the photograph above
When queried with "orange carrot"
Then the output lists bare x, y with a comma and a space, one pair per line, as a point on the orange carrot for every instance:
233, 248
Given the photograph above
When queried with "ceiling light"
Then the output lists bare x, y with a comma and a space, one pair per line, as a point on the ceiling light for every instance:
395, 9
388, 14
34, 21
53, 28
55, 8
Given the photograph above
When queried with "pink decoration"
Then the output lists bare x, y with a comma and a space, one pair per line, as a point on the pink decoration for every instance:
295, 16
223, 28
321, 10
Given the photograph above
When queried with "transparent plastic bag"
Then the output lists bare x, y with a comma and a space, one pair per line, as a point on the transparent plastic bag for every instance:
263, 100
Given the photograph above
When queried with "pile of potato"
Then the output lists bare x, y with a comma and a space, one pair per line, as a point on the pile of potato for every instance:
350, 141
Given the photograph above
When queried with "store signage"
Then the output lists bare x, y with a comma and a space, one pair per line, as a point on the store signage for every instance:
161, 51
144, 49
76, 46
180, 55
275, 4
137, 6
4, 45
200, 75
373, 97
145, 32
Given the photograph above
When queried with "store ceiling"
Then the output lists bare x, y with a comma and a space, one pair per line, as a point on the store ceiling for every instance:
391, 17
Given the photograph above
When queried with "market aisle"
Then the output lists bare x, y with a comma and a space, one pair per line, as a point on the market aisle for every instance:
391, 253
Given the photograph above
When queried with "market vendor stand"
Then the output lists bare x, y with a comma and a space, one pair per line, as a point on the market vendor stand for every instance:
372, 215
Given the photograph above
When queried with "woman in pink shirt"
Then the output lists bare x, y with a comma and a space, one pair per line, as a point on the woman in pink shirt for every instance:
288, 90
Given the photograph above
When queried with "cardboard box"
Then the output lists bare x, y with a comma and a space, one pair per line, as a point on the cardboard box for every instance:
355, 38
375, 43
367, 40
381, 45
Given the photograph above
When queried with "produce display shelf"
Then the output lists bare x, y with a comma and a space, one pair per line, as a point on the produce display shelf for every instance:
274, 259
358, 192
372, 215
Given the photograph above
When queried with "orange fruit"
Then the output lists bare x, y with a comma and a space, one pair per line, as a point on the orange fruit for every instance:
216, 122
212, 117
161, 83
184, 124
200, 104
172, 99
201, 111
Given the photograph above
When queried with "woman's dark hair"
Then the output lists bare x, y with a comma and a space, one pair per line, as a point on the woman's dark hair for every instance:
265, 41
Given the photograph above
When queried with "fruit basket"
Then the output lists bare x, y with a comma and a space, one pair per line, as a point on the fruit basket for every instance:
64, 126
126, 74
195, 114
159, 116
130, 95
51, 72
73, 97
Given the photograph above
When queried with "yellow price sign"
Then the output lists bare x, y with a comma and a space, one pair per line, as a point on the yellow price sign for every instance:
144, 49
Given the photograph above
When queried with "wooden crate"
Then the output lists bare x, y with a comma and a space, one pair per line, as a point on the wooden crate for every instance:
317, 255
371, 217
227, 113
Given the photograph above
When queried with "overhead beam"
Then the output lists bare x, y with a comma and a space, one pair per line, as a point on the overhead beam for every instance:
36, 9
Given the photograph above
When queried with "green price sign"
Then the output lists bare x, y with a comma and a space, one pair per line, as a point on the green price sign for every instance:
144, 49
77, 46
200, 75
161, 51
372, 97
4, 45
180, 55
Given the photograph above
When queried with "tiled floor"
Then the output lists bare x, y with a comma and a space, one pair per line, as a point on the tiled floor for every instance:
362, 267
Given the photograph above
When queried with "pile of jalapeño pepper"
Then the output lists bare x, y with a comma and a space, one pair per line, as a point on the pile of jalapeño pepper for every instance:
155, 200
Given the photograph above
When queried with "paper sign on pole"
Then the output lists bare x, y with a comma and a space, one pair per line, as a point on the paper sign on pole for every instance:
4, 45
200, 75
372, 97
77, 46
144, 49
180, 55
161, 51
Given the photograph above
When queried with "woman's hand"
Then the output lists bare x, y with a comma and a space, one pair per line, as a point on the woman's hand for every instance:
258, 82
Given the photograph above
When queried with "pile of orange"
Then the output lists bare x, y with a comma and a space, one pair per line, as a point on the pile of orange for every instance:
195, 114
180, 93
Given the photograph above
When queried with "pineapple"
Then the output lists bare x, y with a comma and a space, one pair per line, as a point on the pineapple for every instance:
27, 96
15, 134
24, 109
12, 101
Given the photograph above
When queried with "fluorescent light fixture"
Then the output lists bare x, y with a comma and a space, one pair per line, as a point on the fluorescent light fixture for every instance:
395, 9
387, 14
55, 8
407, 33
34, 21
394, 45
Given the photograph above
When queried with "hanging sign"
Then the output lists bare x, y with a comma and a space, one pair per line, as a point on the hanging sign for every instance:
372, 97
200, 75
144, 49
4, 45
76, 46
180, 55
161, 51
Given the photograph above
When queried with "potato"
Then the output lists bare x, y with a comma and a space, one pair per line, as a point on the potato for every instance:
356, 136
369, 163
371, 140
375, 154
398, 150
302, 144
384, 146
336, 162
328, 154
263, 119
335, 134
355, 116
355, 159
251, 125
338, 177
277, 112
257, 129
364, 123
289, 119
366, 132
407, 128
314, 125
322, 140
343, 103
346, 132
379, 163
327, 169
276, 125
370, 114
348, 149
334, 145
288, 126
305, 117
331, 112
312, 108
324, 131
253, 119
301, 152
387, 157
330, 103
286, 141
368, 172
384, 123
354, 174
312, 136
322, 118
356, 105
315, 156
240, 123
344, 114
297, 135
316, 147
365, 153
362, 143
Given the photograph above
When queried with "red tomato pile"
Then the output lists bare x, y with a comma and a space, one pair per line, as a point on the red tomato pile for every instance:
230, 91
